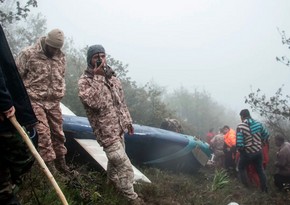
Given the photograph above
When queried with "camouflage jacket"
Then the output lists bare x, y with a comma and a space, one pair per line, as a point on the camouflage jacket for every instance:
105, 106
43, 77
172, 125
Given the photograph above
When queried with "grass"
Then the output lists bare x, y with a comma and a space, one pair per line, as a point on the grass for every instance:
220, 179
206, 187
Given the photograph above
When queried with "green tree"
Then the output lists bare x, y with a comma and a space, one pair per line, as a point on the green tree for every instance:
75, 66
199, 112
20, 30
25, 33
285, 41
14, 11
274, 109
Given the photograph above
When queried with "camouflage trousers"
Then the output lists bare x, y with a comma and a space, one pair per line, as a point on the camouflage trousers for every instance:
15, 160
120, 170
51, 137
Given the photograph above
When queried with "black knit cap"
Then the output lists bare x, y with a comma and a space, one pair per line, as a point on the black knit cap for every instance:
94, 49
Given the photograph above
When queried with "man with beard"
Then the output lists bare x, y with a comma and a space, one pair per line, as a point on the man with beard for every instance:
42, 68
102, 95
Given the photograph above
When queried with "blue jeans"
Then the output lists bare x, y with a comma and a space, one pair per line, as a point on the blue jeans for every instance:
257, 160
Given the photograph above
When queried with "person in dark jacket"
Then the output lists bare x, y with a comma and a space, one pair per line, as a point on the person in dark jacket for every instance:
15, 158
282, 164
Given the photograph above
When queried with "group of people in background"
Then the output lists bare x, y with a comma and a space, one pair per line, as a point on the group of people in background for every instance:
32, 87
245, 151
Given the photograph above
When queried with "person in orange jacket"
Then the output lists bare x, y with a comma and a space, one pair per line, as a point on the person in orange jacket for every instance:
229, 147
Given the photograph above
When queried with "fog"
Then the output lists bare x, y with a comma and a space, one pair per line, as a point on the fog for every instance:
224, 47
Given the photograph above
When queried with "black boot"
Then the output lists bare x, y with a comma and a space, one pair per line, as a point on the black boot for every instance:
61, 166
11, 201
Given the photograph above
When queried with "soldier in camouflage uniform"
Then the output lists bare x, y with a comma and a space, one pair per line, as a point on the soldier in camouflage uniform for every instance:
172, 125
15, 158
42, 68
102, 95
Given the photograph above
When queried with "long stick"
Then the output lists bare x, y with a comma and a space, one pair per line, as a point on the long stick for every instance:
38, 158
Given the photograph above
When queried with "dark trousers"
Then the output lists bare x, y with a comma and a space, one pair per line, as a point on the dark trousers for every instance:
282, 182
257, 160
15, 160
230, 158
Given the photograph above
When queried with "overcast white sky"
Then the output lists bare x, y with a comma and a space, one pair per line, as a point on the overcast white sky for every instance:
221, 46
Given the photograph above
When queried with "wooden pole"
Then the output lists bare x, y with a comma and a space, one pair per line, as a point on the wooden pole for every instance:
31, 147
